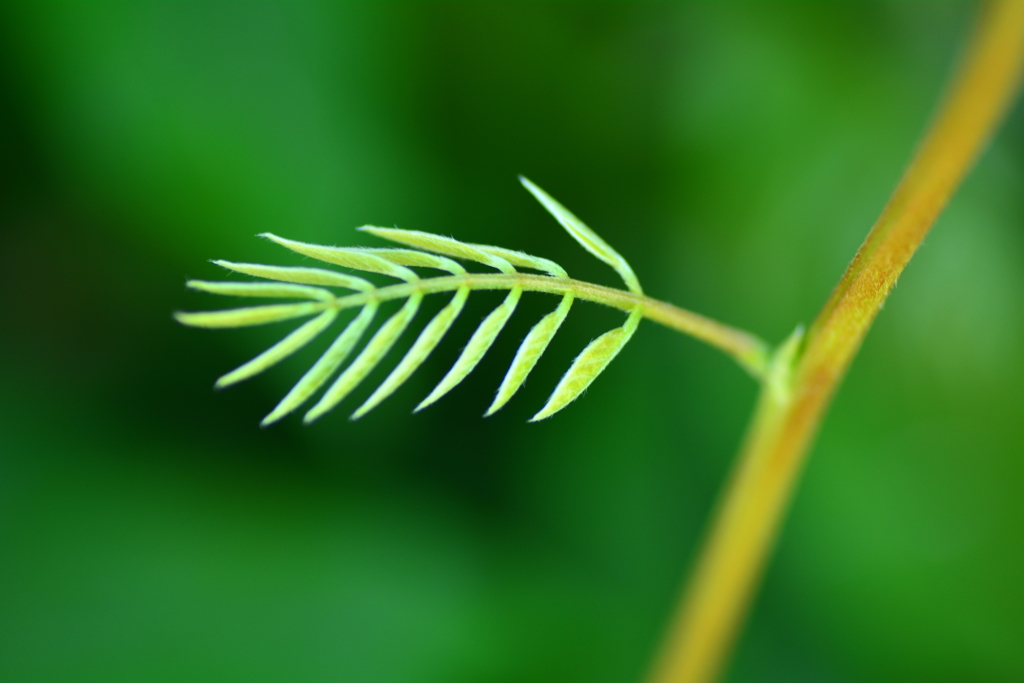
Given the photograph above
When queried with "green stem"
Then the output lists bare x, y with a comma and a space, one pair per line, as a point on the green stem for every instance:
801, 385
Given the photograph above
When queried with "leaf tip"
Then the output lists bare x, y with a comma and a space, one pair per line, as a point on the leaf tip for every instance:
499, 402
542, 415
233, 377
188, 318
374, 230
272, 237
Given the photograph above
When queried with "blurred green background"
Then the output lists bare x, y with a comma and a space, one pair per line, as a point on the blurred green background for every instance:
735, 154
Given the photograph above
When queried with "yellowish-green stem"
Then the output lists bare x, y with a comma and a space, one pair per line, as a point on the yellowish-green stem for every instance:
748, 350
802, 383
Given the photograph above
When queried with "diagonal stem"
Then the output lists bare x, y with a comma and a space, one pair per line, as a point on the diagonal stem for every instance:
799, 390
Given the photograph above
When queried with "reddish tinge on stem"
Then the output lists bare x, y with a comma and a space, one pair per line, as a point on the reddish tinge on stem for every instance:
786, 422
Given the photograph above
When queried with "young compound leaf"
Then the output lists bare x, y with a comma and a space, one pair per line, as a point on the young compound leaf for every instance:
326, 366
588, 365
431, 251
585, 236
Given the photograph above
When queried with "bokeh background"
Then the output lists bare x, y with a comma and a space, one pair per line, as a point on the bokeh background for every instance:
735, 154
